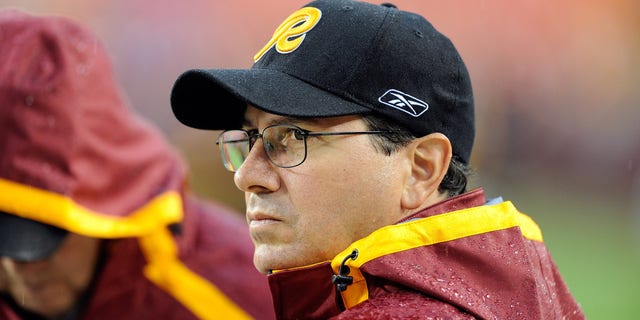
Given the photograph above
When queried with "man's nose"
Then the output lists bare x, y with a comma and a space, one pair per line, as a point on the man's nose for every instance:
257, 173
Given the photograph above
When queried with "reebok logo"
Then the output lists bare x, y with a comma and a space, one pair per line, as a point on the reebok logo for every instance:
404, 102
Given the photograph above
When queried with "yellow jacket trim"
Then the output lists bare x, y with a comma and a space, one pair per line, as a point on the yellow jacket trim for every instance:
148, 224
428, 231
164, 269
61, 211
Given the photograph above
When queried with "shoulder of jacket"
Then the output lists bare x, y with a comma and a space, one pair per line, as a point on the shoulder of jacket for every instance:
404, 304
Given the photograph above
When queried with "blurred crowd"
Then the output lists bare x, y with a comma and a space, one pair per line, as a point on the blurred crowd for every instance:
555, 82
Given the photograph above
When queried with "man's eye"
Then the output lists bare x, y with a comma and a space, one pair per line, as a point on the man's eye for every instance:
298, 134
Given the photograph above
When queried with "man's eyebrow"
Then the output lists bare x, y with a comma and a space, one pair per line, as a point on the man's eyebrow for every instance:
282, 120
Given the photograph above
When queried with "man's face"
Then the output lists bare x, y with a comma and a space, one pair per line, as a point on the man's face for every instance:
343, 191
50, 287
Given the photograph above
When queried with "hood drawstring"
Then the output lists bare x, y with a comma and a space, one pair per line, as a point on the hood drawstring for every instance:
342, 280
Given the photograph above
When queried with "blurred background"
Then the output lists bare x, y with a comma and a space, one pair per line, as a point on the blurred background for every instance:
557, 87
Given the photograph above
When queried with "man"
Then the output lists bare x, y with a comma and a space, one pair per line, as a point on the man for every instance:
95, 218
351, 137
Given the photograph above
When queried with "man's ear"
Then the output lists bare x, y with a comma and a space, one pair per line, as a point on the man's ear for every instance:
430, 156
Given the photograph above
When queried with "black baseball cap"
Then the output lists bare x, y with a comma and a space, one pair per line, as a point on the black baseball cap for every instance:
335, 58
28, 240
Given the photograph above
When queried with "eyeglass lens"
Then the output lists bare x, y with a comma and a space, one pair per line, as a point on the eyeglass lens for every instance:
234, 148
285, 146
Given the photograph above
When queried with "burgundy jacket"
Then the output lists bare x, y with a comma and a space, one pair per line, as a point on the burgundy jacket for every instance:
74, 155
459, 259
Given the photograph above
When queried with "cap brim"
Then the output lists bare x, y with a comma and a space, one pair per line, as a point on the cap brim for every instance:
27, 240
216, 99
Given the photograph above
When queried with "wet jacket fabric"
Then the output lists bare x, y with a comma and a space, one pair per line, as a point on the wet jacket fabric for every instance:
73, 155
459, 259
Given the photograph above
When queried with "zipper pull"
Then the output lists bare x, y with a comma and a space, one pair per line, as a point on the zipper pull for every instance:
342, 279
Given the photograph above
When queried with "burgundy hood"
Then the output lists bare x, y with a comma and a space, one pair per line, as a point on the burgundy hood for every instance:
66, 129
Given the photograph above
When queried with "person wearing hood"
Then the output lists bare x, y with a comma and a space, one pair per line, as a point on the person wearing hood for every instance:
96, 221
351, 137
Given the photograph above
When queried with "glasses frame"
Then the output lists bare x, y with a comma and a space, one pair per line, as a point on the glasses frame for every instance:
253, 136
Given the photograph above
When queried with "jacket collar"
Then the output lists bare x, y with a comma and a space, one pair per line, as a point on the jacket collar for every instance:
470, 199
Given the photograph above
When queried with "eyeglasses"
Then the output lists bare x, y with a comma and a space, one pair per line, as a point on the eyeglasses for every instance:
284, 145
